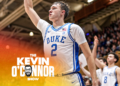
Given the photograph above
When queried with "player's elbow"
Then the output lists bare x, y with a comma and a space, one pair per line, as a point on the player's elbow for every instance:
28, 8
89, 75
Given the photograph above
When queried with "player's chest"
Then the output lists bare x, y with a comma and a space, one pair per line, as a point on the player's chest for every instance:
56, 36
109, 72
61, 32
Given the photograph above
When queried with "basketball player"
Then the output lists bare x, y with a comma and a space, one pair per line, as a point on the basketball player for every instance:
61, 42
110, 73
102, 60
98, 71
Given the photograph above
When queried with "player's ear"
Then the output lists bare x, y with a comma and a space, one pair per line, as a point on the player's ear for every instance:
63, 12
115, 60
105, 62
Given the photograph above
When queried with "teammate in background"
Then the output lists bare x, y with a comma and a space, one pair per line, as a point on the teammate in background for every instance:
61, 44
111, 73
102, 60
98, 71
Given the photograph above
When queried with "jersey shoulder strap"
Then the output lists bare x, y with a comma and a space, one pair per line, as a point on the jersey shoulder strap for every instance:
46, 32
70, 36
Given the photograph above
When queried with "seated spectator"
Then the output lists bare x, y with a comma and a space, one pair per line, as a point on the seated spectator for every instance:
114, 42
118, 46
102, 51
108, 41
103, 42
113, 48
88, 81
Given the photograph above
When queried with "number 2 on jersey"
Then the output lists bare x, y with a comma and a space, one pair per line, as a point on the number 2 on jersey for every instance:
55, 48
105, 79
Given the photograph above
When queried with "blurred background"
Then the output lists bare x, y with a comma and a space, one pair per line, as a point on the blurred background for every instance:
19, 37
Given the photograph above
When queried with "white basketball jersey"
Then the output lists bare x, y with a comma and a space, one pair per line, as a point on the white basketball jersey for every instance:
109, 76
99, 73
62, 49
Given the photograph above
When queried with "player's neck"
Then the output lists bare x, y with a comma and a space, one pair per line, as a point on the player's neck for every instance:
58, 23
110, 65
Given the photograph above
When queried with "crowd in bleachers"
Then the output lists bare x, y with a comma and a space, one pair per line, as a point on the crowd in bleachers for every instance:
109, 38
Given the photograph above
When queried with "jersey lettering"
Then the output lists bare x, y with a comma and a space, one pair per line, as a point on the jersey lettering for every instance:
56, 38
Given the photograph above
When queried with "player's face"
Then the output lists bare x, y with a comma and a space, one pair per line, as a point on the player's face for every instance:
110, 58
101, 61
55, 12
87, 83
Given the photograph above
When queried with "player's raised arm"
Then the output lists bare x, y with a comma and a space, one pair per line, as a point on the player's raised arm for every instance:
118, 76
94, 54
90, 61
95, 47
28, 4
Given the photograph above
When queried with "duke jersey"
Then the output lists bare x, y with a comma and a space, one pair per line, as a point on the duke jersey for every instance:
109, 76
62, 49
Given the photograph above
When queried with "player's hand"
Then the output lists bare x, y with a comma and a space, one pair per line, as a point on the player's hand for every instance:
95, 40
94, 83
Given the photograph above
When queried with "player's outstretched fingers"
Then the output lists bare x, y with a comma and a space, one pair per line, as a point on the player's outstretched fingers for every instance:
95, 40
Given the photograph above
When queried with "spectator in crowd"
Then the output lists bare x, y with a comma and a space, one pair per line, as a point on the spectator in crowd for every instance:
113, 48
109, 38
88, 82
118, 46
